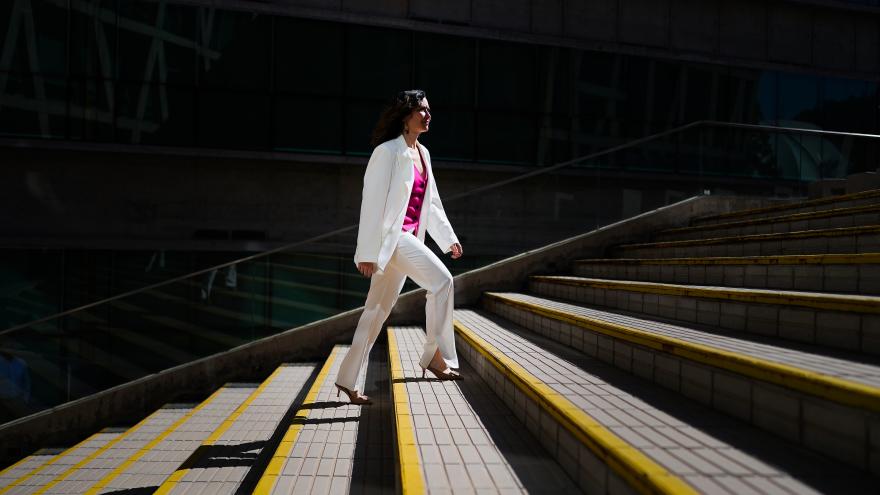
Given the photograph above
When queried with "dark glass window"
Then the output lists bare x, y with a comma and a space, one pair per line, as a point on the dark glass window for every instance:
92, 109
157, 42
506, 137
93, 39
452, 133
378, 62
445, 69
235, 49
48, 55
507, 76
798, 99
360, 118
554, 80
33, 105
308, 56
233, 119
308, 123
155, 114
599, 88
847, 105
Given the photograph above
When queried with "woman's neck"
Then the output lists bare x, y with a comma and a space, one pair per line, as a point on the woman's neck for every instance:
411, 140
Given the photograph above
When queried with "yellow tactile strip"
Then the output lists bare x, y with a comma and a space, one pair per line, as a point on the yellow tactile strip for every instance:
802, 234
273, 470
47, 461
794, 217
637, 469
829, 388
794, 259
411, 479
793, 206
834, 302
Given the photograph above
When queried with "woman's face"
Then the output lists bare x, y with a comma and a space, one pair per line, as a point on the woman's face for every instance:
420, 118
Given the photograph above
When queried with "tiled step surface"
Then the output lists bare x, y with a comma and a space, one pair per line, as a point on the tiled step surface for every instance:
828, 219
331, 446
842, 273
26, 468
145, 468
249, 414
821, 204
464, 438
88, 471
40, 475
864, 239
706, 451
825, 403
849, 322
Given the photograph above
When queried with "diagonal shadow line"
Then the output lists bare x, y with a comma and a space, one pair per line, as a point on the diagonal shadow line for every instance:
322, 405
144, 490
374, 467
536, 469
249, 483
785, 455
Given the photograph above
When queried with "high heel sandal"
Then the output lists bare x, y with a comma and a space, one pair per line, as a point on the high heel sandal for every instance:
352, 396
450, 375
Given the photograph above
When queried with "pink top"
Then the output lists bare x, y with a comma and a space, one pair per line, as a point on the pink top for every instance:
414, 209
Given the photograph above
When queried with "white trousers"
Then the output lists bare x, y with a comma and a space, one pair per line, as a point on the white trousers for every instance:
413, 259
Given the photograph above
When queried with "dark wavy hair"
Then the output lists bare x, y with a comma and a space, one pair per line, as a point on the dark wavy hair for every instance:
390, 123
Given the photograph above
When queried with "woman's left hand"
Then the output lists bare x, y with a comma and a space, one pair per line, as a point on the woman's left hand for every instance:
456, 251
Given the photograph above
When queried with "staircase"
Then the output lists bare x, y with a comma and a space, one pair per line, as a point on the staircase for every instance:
736, 355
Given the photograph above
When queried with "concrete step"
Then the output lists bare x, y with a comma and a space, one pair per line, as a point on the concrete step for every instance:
217, 460
825, 403
458, 436
79, 477
840, 273
331, 446
836, 321
820, 204
846, 240
624, 434
825, 219
35, 471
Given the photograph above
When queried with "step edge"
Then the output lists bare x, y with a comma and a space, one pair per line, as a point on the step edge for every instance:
833, 389
642, 473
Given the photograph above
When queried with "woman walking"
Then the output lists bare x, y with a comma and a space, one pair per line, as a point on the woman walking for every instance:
400, 203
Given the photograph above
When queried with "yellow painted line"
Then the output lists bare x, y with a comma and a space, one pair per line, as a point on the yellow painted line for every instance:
801, 234
835, 302
637, 469
97, 487
218, 432
62, 476
270, 475
793, 206
810, 382
50, 462
794, 217
412, 481
788, 259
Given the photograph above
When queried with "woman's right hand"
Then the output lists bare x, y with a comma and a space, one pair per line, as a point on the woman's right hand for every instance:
366, 268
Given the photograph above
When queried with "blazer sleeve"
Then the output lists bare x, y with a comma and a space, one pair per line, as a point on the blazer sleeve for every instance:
377, 183
438, 224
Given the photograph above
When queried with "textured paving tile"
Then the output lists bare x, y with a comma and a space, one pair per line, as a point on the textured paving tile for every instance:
64, 461
221, 466
781, 352
344, 448
714, 452
468, 439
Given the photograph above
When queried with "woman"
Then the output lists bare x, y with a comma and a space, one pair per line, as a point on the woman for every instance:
391, 241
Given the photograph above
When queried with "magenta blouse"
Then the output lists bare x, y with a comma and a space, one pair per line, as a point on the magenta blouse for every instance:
414, 209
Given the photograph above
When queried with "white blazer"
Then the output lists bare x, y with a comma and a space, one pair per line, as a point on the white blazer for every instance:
388, 184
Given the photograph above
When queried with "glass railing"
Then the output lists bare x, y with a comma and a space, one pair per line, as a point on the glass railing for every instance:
98, 345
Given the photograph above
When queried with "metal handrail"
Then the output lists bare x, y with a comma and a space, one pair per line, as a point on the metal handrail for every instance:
540, 171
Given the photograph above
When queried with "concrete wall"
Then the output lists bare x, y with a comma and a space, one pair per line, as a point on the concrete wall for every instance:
828, 36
